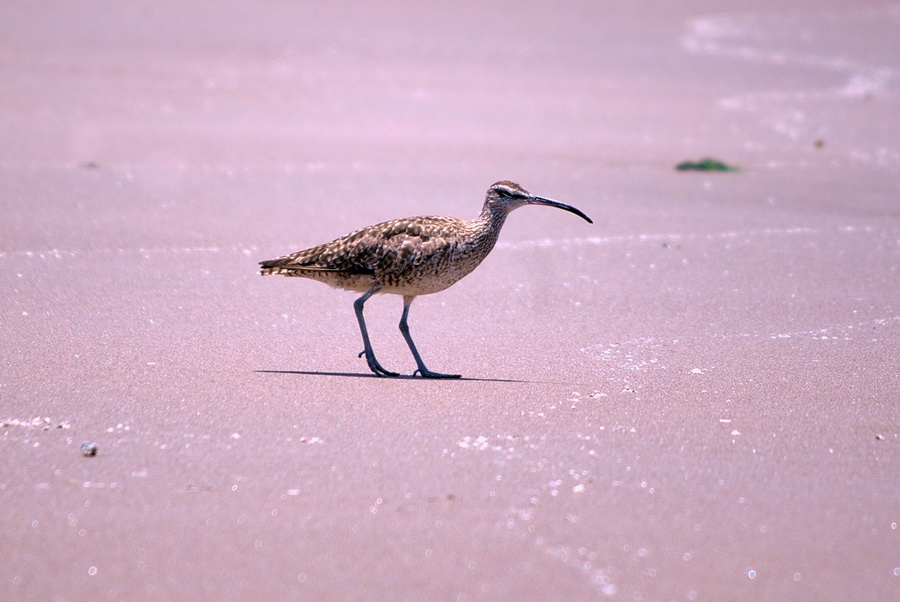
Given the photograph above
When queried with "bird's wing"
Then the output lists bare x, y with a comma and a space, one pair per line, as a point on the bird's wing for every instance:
403, 244
393, 246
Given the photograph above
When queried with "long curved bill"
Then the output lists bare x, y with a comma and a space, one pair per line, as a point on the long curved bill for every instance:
538, 200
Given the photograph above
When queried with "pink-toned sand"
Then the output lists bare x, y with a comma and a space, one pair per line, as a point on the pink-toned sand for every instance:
694, 398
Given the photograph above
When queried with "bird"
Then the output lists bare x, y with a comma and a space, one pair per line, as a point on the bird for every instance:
410, 257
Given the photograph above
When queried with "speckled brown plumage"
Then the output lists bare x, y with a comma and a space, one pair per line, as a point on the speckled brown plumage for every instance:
410, 257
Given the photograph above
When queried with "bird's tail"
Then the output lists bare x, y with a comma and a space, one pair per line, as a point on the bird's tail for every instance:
298, 264
275, 266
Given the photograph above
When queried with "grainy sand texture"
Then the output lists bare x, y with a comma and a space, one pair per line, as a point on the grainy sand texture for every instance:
694, 398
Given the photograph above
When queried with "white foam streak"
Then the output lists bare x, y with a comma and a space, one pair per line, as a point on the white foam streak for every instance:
751, 37
539, 243
597, 241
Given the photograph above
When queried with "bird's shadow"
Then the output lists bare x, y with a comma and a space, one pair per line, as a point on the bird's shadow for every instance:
402, 377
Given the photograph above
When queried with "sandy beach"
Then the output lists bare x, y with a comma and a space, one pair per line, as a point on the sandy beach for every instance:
694, 398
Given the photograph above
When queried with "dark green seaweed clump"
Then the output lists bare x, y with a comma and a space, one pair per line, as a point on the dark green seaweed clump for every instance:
706, 164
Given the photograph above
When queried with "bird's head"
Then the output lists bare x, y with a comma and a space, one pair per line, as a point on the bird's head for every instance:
505, 196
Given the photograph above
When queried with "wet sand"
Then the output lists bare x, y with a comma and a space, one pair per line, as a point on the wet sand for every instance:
694, 398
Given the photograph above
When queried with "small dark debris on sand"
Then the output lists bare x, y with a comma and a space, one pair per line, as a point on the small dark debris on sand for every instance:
88, 449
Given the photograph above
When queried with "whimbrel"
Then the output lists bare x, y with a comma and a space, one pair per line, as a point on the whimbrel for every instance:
410, 257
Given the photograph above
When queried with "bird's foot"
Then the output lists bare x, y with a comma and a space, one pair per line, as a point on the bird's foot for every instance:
426, 373
374, 366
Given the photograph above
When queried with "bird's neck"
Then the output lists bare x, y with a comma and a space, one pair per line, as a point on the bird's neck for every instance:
493, 216
488, 224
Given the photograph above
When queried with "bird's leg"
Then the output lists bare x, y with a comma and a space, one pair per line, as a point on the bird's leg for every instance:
374, 366
404, 328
